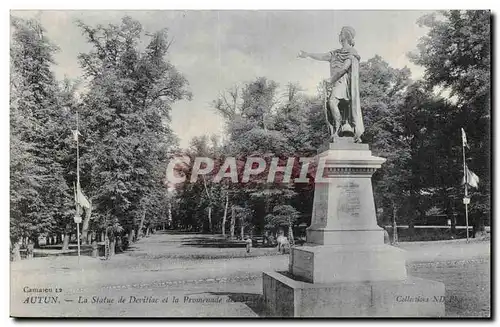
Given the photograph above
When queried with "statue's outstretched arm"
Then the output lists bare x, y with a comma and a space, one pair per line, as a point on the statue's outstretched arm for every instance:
316, 56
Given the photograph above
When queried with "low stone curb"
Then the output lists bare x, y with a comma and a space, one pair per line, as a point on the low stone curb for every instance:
182, 282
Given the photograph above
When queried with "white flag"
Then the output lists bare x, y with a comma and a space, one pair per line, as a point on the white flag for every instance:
470, 178
464, 139
80, 198
75, 135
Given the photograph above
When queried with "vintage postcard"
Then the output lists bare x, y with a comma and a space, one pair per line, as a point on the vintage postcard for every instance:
232, 163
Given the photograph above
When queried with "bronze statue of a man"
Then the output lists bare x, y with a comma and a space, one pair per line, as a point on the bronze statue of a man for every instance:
342, 103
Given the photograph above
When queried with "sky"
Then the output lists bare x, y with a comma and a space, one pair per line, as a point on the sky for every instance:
218, 49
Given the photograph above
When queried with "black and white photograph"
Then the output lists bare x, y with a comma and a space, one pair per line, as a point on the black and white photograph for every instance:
250, 163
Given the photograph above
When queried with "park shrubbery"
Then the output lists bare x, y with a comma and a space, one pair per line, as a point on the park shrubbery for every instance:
428, 234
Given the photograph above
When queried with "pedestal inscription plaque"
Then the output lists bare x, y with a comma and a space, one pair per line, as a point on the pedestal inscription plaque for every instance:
349, 202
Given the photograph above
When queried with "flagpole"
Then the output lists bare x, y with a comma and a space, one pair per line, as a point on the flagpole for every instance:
78, 239
465, 201
77, 153
77, 184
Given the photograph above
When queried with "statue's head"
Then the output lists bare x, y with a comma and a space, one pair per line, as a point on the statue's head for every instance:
347, 35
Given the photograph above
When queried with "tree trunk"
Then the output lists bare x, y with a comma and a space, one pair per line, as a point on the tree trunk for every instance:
141, 224
242, 228
85, 226
481, 226
65, 243
131, 236
225, 215
95, 249
210, 204
147, 231
67, 236
112, 245
118, 245
231, 227
450, 215
290, 233
478, 227
453, 224
16, 251
210, 219
169, 212
29, 249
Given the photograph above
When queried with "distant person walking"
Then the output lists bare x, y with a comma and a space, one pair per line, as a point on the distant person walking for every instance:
282, 243
248, 244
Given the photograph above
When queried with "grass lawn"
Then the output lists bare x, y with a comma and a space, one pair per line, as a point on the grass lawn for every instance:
467, 285
163, 246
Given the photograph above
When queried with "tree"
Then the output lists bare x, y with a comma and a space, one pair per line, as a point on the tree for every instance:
409, 126
259, 124
208, 201
125, 123
243, 215
40, 196
456, 55
283, 216
224, 218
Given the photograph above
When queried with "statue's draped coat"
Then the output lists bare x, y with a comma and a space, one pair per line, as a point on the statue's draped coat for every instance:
338, 58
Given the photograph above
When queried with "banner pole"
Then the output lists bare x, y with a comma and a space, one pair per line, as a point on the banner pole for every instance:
465, 189
78, 239
467, 221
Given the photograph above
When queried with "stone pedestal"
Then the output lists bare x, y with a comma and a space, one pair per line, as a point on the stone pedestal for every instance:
345, 268
339, 263
413, 297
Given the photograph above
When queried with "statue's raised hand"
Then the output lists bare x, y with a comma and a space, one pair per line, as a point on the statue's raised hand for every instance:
302, 54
